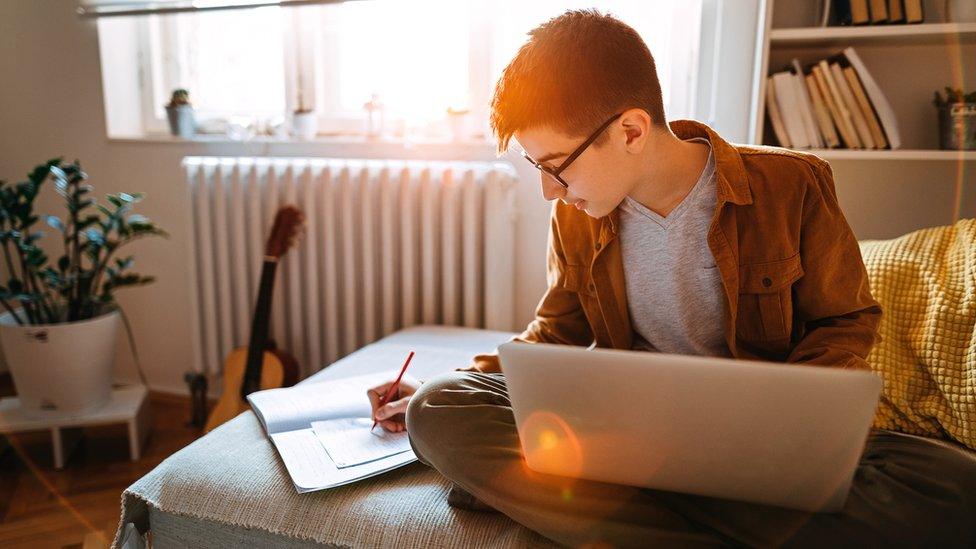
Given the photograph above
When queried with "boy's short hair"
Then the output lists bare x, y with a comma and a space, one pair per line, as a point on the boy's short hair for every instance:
575, 71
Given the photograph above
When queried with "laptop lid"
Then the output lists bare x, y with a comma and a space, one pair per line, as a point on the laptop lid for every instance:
780, 434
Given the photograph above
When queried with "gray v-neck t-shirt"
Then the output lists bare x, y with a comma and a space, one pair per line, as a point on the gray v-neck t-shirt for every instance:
674, 289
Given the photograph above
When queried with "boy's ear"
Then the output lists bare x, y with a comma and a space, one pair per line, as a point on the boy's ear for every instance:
636, 124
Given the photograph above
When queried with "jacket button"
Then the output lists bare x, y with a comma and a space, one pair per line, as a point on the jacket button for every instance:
767, 282
597, 246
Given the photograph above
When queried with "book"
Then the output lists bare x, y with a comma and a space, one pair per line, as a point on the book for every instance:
828, 100
774, 115
886, 115
896, 14
825, 12
806, 106
789, 108
860, 12
914, 12
824, 121
306, 421
850, 135
847, 96
877, 134
879, 11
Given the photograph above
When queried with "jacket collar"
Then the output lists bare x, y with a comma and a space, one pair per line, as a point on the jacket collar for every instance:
730, 173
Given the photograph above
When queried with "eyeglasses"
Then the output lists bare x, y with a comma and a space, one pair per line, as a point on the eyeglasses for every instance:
554, 172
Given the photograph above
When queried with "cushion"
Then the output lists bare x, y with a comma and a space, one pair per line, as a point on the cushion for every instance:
926, 284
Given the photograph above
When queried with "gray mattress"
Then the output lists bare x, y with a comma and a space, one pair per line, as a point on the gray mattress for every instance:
230, 489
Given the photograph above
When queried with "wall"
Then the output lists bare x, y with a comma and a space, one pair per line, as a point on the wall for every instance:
51, 104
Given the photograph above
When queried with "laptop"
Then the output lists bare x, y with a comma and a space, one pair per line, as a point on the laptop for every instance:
788, 435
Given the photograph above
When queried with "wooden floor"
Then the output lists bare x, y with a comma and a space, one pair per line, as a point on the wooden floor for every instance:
41, 507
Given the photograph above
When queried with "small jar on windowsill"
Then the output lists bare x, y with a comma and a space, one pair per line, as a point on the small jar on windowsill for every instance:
304, 124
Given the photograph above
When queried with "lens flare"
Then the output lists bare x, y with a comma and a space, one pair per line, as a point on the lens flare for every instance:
550, 445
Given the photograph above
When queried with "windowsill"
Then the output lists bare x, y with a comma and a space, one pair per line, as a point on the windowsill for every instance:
473, 143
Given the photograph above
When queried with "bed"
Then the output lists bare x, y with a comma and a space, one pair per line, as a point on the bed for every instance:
230, 489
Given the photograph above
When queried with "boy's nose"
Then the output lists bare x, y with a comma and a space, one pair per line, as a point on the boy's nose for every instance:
551, 189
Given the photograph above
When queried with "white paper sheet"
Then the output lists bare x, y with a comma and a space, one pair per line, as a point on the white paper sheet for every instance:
311, 469
351, 441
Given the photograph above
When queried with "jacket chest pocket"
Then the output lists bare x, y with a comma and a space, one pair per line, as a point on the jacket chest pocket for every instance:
575, 278
567, 277
766, 302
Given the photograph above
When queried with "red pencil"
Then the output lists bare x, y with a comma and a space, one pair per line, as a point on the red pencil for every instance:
392, 390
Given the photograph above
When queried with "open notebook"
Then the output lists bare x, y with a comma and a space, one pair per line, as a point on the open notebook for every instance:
322, 432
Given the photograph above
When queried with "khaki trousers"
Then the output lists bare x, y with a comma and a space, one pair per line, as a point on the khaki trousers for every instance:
908, 491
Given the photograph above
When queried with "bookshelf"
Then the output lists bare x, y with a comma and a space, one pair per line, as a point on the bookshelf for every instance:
899, 154
925, 33
885, 193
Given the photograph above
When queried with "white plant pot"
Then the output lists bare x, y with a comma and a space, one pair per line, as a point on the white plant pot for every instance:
304, 125
61, 369
460, 125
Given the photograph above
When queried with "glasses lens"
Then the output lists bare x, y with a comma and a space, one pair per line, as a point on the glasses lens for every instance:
544, 169
554, 177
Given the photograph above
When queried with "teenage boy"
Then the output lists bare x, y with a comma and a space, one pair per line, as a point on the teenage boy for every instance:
664, 237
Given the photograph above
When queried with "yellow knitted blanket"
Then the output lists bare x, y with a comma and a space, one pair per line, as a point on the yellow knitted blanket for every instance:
926, 284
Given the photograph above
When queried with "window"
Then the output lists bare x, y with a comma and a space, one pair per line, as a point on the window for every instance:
232, 62
416, 58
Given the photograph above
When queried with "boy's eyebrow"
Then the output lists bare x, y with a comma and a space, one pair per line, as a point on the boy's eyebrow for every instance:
551, 156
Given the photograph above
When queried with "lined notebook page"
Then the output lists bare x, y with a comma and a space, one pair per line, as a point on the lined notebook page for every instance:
349, 441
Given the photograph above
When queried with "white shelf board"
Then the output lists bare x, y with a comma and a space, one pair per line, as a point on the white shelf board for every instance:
898, 154
123, 405
926, 33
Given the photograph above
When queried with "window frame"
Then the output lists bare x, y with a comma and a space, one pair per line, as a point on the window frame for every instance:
159, 62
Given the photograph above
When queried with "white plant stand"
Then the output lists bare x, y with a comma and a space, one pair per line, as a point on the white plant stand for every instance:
127, 405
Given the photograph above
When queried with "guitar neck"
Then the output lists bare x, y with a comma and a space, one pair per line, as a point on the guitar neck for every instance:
259, 330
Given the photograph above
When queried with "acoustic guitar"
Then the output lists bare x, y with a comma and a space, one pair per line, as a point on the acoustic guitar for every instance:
260, 365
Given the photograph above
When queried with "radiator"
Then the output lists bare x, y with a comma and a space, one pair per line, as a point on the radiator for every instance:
388, 244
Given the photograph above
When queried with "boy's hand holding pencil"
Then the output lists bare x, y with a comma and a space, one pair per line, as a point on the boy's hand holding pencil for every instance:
389, 400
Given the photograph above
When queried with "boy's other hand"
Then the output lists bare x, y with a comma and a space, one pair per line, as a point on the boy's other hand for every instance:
392, 415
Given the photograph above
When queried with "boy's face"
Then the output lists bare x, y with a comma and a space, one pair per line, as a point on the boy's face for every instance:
598, 179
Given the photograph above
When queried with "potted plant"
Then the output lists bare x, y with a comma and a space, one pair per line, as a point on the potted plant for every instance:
303, 122
179, 111
957, 119
58, 331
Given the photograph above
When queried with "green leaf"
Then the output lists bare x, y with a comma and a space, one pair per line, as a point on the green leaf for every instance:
94, 235
40, 173
116, 201
131, 279
55, 222
36, 257
124, 263
88, 221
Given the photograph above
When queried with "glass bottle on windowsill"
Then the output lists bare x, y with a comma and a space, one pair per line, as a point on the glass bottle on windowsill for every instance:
375, 117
